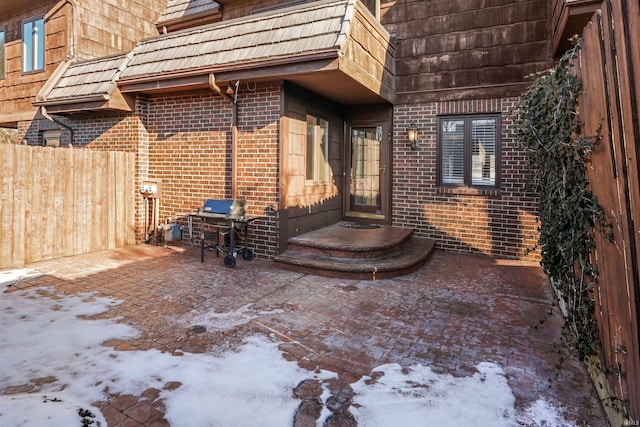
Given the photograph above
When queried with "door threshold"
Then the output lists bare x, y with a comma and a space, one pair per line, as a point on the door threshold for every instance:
367, 215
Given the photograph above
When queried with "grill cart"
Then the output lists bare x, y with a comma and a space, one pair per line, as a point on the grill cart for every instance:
229, 220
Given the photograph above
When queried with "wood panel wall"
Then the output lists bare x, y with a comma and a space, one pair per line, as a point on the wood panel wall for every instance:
609, 65
305, 206
461, 49
18, 90
108, 27
57, 202
82, 29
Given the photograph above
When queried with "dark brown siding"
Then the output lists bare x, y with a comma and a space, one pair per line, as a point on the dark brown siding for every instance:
18, 90
466, 48
609, 106
306, 206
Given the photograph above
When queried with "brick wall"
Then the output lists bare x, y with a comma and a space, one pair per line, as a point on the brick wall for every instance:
185, 141
501, 223
190, 151
258, 169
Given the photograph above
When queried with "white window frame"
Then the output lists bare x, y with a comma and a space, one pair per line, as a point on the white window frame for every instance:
33, 44
3, 52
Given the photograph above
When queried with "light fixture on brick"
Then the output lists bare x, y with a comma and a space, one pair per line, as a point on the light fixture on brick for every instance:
412, 135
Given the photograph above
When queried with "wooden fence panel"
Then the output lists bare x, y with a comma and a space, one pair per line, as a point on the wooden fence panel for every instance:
57, 202
609, 66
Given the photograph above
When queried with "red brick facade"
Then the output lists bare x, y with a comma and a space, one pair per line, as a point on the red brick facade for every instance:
185, 140
499, 222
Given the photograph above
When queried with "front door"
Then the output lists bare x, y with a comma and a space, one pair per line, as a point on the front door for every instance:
367, 167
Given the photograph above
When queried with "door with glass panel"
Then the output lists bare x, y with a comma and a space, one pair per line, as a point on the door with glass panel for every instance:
366, 160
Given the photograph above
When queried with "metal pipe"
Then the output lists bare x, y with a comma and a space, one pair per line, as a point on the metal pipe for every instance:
234, 132
45, 114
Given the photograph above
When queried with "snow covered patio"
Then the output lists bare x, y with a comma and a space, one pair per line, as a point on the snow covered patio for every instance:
149, 336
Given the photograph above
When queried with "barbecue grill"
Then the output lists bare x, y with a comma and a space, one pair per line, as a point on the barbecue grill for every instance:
229, 219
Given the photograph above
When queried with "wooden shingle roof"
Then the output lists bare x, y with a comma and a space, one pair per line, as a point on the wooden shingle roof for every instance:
85, 81
335, 48
181, 9
306, 29
87, 78
188, 13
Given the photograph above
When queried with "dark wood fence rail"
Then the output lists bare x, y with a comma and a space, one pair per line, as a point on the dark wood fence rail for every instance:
57, 202
609, 65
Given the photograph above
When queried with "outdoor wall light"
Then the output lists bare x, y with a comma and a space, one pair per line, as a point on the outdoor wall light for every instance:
412, 135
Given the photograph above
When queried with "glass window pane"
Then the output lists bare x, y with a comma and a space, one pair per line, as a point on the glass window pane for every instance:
2, 53
38, 42
452, 155
483, 148
323, 150
310, 153
27, 46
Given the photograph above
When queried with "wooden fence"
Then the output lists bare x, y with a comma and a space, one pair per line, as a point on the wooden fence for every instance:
57, 202
609, 65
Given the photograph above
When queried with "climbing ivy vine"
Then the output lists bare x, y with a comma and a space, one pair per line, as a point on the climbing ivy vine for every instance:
550, 129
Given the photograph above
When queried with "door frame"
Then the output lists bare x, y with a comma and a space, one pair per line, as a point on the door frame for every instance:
384, 215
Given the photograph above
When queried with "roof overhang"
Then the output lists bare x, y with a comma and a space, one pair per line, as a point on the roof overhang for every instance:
571, 17
328, 74
335, 48
85, 86
359, 69
115, 101
11, 120
188, 22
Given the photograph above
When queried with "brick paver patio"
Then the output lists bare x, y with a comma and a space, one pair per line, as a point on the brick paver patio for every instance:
455, 312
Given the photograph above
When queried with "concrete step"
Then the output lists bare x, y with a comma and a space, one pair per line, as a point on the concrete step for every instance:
358, 254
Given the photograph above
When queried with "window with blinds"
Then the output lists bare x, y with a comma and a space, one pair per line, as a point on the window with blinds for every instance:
468, 151
452, 158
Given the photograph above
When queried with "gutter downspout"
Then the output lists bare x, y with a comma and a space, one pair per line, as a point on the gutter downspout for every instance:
71, 54
234, 133
45, 114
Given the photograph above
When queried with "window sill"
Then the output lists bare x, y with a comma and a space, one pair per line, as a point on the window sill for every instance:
469, 191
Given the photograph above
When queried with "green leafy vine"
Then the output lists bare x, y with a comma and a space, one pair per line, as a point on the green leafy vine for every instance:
549, 127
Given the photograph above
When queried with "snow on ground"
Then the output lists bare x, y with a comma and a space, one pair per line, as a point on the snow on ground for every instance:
48, 337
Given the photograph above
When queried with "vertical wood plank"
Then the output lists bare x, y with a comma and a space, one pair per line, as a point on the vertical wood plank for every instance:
80, 228
110, 218
35, 230
59, 211
97, 234
610, 71
131, 198
20, 203
120, 200
47, 211
7, 208
68, 201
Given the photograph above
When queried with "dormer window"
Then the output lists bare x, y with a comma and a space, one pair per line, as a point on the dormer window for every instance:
33, 45
374, 7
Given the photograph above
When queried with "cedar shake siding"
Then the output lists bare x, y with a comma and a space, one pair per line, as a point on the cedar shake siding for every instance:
466, 48
74, 30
